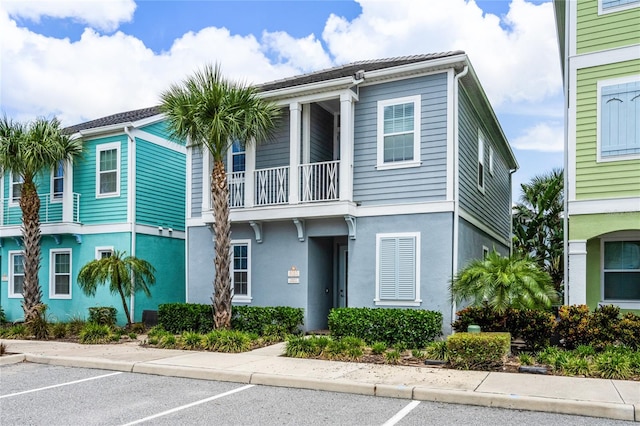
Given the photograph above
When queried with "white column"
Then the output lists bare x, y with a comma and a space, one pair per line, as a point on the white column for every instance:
294, 150
346, 147
67, 193
249, 168
577, 286
206, 180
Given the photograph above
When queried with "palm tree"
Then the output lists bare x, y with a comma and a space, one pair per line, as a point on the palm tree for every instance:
25, 151
126, 276
537, 223
504, 282
212, 112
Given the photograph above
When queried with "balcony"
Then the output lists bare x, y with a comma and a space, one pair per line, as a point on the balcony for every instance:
318, 182
52, 210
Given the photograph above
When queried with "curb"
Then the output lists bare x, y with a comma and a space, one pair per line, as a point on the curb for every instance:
102, 364
12, 359
192, 372
329, 385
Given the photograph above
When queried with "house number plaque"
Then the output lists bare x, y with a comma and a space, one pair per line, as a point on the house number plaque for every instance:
293, 276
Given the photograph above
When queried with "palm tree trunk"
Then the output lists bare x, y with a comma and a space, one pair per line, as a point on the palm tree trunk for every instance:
30, 206
124, 305
222, 229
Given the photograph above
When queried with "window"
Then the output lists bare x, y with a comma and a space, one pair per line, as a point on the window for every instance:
16, 273
485, 252
237, 157
619, 119
491, 160
16, 188
57, 182
398, 269
240, 271
480, 161
108, 169
399, 133
606, 6
102, 252
621, 270
60, 276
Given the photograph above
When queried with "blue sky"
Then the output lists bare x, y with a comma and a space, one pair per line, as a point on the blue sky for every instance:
81, 60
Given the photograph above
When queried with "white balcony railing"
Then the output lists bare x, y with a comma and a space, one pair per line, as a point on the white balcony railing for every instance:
319, 181
272, 186
51, 210
236, 189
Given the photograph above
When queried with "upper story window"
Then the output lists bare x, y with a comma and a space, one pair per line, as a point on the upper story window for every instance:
607, 6
621, 270
103, 252
480, 161
108, 170
398, 269
491, 172
16, 273
238, 157
60, 276
399, 132
16, 188
240, 270
57, 181
619, 119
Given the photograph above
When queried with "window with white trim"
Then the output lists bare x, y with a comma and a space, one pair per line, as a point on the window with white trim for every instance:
399, 132
480, 161
491, 160
238, 157
619, 118
16, 274
60, 274
103, 252
621, 270
606, 6
240, 270
16, 188
57, 182
398, 269
108, 170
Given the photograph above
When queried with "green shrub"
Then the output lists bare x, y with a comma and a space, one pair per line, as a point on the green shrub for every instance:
302, 347
378, 348
230, 341
275, 333
167, 341
336, 349
180, 317
132, 335
392, 357
526, 359
103, 315
191, 340
3, 318
576, 365
76, 323
138, 328
261, 319
585, 351
604, 326
437, 350
38, 326
613, 364
59, 330
478, 351
413, 327
93, 333
17, 331
418, 354
629, 327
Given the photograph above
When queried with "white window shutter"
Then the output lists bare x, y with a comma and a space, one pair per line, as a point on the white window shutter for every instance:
406, 268
387, 265
397, 268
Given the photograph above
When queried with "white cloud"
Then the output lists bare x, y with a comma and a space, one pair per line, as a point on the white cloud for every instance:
101, 14
544, 137
517, 63
306, 54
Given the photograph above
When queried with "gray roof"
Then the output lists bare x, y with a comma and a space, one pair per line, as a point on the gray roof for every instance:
119, 118
314, 77
351, 69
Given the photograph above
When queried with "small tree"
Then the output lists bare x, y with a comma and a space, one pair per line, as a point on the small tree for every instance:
504, 282
126, 276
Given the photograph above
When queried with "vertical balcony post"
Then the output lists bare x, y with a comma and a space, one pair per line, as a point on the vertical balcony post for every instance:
249, 178
346, 147
294, 150
67, 193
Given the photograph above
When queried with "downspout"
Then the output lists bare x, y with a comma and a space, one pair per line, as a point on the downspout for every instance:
565, 216
456, 202
511, 172
131, 195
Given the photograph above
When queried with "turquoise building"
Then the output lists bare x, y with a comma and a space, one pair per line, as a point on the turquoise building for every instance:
126, 193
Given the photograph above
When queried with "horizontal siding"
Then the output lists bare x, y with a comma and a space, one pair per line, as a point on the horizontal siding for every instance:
196, 183
607, 31
275, 152
491, 207
161, 130
160, 186
321, 143
595, 180
100, 210
416, 184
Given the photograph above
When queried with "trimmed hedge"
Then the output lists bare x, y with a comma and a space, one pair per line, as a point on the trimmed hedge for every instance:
478, 351
413, 327
179, 317
533, 326
255, 319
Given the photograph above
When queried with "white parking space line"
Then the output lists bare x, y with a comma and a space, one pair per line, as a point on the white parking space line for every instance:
400, 414
59, 385
202, 401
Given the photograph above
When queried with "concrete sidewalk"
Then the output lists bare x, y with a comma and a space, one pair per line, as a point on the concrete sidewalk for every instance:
614, 399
